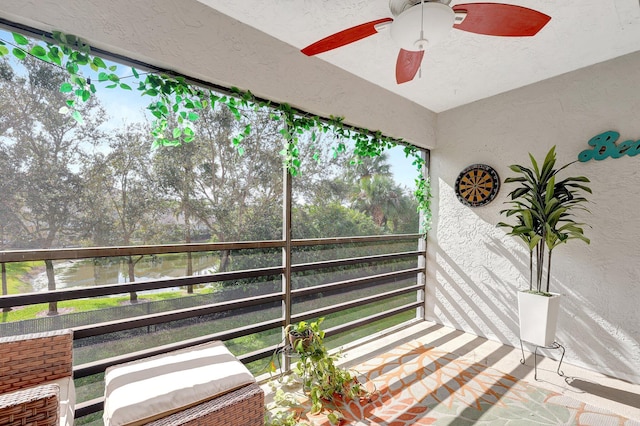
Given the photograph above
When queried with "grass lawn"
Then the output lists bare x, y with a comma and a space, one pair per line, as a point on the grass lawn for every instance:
15, 275
81, 305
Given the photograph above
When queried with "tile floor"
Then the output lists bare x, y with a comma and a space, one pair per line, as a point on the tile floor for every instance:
578, 383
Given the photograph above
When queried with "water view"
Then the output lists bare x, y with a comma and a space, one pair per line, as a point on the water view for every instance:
87, 273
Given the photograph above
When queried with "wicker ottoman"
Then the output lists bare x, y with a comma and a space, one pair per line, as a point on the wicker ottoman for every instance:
244, 406
203, 385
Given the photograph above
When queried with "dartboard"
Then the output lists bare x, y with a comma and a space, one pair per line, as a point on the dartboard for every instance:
477, 185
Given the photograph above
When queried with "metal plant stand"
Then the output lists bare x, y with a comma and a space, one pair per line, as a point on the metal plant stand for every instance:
554, 345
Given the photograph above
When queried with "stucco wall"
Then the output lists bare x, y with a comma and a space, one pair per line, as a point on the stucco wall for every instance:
191, 38
475, 270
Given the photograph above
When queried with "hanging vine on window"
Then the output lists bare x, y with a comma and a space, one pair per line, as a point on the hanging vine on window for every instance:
175, 105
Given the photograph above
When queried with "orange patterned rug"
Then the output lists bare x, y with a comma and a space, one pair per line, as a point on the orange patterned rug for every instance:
417, 385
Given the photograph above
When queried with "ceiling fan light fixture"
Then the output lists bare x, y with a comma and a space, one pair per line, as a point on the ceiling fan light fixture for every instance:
422, 26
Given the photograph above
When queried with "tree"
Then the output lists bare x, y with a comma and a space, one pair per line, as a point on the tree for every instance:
9, 225
45, 147
381, 198
122, 180
368, 167
230, 187
97, 220
175, 170
6, 100
322, 174
377, 194
331, 220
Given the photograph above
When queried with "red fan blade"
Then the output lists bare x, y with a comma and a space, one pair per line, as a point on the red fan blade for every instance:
408, 64
344, 37
499, 19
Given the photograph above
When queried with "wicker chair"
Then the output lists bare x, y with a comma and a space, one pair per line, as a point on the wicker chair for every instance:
36, 386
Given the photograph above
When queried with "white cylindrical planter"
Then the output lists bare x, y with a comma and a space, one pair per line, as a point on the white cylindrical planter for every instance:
538, 317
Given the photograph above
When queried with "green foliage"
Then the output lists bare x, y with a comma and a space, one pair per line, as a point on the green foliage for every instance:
15, 273
69, 53
323, 381
331, 220
176, 105
385, 202
543, 209
284, 410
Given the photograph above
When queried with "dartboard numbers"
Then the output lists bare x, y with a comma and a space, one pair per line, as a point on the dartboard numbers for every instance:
477, 185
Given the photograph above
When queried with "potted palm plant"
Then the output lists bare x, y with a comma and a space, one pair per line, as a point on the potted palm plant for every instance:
543, 206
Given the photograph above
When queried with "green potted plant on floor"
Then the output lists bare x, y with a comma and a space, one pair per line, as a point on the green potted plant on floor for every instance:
326, 384
543, 206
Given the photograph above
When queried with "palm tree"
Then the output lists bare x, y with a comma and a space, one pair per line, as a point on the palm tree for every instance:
368, 167
380, 197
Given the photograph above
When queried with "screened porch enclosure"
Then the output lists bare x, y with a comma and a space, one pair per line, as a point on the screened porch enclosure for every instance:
143, 251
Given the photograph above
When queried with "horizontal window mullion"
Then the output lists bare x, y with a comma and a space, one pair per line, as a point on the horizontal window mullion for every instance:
93, 252
111, 289
165, 317
355, 303
352, 240
89, 407
259, 354
7, 256
96, 367
372, 318
405, 273
353, 260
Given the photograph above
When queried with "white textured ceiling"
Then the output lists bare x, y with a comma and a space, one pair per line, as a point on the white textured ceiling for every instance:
465, 67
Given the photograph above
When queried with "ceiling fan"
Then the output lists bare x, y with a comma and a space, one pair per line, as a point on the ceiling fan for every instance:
419, 24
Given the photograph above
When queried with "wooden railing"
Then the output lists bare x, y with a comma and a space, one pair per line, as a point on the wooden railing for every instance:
404, 283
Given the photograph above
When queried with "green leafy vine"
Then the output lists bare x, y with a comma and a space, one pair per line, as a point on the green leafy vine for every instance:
176, 103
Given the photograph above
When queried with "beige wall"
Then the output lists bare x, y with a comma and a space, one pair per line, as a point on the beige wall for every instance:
475, 269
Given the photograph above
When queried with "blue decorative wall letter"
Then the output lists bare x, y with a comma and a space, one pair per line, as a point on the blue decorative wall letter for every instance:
604, 145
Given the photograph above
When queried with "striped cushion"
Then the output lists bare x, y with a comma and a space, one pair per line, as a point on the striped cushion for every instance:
141, 391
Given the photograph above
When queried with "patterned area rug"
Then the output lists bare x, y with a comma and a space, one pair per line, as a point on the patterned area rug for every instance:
417, 385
